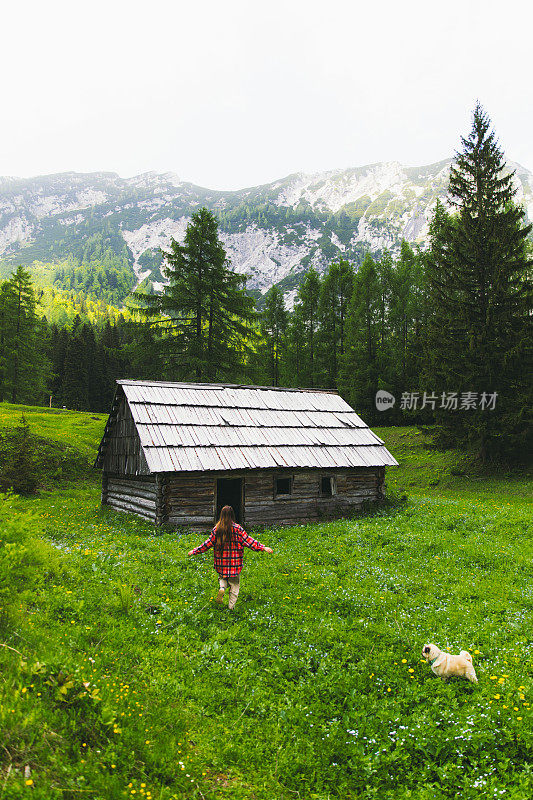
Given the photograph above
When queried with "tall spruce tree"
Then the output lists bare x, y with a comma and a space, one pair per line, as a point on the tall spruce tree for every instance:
204, 315
5, 335
95, 369
479, 295
385, 272
23, 363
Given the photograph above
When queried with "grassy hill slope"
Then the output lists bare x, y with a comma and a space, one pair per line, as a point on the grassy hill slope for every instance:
122, 679
79, 429
422, 468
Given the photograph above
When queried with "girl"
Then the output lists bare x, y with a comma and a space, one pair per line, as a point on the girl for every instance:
229, 541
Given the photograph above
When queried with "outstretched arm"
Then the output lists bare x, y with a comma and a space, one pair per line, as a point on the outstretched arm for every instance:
253, 544
204, 546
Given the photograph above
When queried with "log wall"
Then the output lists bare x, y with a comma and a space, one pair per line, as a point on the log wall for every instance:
306, 503
189, 500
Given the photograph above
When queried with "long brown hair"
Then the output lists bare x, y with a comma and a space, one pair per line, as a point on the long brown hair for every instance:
224, 528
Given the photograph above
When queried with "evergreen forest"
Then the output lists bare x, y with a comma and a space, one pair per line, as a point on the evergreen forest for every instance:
445, 331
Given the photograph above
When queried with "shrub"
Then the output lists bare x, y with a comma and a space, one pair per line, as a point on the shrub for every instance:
17, 463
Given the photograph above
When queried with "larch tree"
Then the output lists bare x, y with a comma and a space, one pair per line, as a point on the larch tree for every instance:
335, 292
296, 347
307, 303
204, 316
75, 388
405, 319
362, 362
274, 321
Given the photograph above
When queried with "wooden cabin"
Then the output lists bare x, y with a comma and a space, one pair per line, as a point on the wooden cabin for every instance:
175, 453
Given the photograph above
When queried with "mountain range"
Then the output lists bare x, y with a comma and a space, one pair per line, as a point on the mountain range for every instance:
272, 233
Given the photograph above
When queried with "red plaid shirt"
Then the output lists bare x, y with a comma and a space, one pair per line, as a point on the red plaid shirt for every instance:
228, 562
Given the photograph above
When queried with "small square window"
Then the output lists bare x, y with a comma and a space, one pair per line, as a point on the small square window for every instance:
283, 486
326, 486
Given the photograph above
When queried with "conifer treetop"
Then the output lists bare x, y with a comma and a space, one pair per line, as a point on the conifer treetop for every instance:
478, 176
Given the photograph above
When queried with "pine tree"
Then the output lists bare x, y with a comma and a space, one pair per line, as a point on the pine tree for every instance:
479, 294
204, 315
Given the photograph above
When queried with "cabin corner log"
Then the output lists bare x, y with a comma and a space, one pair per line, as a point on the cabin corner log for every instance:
380, 483
160, 501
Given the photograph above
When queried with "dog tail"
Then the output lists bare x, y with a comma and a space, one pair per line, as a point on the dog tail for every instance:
466, 655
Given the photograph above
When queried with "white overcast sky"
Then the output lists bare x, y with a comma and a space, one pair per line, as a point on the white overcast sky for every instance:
229, 94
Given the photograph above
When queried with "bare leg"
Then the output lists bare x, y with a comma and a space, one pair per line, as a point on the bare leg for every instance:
222, 582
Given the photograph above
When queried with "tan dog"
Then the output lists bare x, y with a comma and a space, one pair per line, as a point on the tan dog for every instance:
445, 665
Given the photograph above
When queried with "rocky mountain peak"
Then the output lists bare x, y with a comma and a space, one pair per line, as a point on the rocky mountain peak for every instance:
272, 233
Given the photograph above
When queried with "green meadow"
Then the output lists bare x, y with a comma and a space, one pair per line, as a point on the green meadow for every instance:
120, 677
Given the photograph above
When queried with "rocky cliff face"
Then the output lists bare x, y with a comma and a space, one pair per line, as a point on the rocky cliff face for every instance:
272, 233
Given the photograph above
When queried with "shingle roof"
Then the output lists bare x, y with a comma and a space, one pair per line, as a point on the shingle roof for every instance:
200, 427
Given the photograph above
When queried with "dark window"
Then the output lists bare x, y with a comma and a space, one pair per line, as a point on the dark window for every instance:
326, 486
283, 486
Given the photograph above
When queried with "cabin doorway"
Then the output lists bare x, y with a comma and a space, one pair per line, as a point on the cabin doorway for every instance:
229, 493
